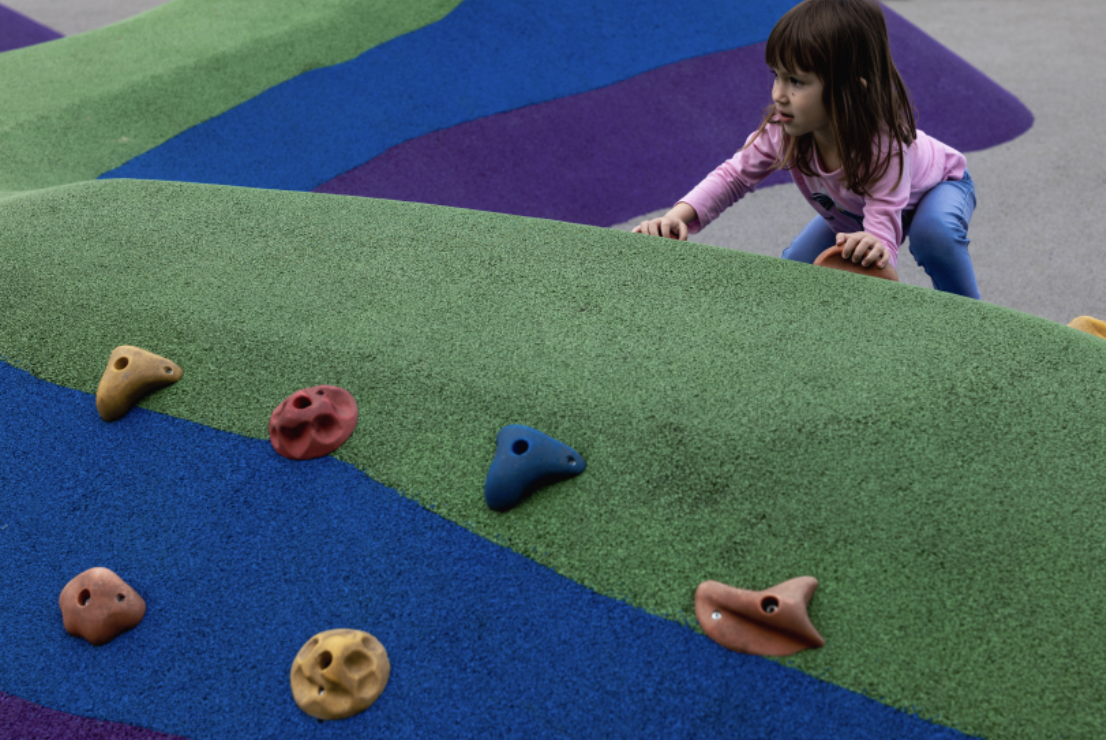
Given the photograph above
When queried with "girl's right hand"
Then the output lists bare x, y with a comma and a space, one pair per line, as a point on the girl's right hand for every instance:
673, 228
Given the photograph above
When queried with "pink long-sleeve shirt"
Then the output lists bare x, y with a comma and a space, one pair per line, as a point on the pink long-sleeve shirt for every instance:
927, 162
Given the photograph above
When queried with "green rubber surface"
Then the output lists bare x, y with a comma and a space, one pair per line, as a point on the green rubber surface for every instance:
937, 463
79, 106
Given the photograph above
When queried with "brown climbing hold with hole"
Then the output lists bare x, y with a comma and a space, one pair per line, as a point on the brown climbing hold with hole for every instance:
770, 622
131, 374
312, 422
339, 673
99, 606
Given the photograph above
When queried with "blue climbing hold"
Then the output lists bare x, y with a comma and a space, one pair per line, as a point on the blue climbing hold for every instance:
525, 457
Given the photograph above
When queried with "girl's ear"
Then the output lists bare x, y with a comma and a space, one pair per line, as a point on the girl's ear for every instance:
864, 83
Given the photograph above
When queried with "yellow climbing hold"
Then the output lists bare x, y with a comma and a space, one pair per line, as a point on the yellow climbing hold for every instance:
339, 673
1090, 325
131, 374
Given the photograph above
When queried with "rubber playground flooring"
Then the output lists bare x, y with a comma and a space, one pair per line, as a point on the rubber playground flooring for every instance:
735, 422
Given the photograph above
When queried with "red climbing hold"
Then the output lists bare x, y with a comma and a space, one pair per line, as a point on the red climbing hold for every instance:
313, 422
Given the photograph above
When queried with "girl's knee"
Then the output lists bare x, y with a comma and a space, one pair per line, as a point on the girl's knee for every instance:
816, 238
937, 238
943, 226
794, 252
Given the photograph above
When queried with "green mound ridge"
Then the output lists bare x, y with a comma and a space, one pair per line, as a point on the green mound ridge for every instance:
77, 107
935, 462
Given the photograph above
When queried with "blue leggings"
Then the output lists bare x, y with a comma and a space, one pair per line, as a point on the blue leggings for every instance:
938, 231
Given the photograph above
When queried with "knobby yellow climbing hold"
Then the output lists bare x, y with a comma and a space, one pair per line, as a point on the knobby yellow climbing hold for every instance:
131, 374
1090, 325
339, 673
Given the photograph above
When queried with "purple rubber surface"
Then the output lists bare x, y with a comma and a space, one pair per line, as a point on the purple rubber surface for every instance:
17, 30
23, 720
609, 155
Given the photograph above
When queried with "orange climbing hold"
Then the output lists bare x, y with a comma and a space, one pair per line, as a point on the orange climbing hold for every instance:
1090, 325
771, 622
131, 374
832, 258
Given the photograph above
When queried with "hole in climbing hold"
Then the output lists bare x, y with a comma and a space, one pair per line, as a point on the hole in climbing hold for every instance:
293, 433
120, 597
770, 604
121, 363
84, 596
358, 663
520, 446
168, 371
321, 692
301, 402
571, 460
319, 393
325, 659
716, 616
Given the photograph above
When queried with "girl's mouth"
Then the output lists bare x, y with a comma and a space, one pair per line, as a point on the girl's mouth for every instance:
784, 118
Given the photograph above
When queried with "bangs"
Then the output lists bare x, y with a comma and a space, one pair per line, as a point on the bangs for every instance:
793, 45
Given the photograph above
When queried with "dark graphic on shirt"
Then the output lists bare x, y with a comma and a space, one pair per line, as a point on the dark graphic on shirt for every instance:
828, 203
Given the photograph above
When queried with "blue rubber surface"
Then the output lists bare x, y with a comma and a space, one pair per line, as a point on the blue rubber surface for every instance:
486, 57
243, 555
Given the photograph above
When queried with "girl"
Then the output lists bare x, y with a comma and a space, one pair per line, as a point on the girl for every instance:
842, 123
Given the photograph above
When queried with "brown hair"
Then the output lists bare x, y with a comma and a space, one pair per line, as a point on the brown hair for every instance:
843, 42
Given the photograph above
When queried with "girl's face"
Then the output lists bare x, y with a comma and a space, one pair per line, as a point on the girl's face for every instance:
798, 99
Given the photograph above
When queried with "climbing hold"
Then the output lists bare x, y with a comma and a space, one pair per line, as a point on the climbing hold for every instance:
832, 258
99, 606
771, 622
131, 374
524, 458
339, 673
312, 422
1089, 324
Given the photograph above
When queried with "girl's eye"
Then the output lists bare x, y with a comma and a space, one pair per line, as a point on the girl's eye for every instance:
795, 82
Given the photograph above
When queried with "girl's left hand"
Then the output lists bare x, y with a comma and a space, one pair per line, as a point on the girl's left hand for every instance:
863, 248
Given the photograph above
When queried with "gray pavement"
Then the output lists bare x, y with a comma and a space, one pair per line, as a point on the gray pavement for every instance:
1034, 244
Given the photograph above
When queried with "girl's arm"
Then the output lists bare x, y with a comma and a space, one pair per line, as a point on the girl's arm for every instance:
720, 189
734, 178
672, 224
883, 209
